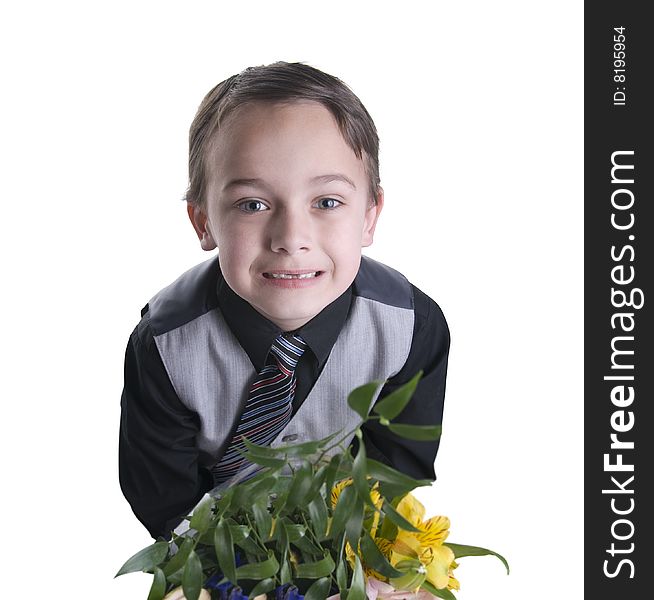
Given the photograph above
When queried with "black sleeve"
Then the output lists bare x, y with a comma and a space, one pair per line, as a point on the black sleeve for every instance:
157, 456
429, 351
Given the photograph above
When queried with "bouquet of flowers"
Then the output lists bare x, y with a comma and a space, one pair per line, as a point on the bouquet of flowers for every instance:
313, 521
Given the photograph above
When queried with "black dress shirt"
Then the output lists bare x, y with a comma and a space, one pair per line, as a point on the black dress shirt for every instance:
159, 475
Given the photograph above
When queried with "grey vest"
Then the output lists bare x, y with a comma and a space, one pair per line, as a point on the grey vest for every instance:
211, 373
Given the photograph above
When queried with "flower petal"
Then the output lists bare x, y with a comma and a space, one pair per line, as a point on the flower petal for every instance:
435, 531
438, 568
411, 509
337, 489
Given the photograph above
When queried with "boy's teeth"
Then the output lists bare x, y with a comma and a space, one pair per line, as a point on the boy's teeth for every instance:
293, 276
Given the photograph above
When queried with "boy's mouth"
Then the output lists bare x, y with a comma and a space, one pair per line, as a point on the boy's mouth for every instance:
292, 275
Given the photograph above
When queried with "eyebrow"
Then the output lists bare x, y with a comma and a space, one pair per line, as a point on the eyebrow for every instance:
328, 178
334, 177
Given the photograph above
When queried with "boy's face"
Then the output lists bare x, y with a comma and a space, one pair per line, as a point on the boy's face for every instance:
288, 207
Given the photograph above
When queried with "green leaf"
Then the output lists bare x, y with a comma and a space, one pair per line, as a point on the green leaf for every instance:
382, 472
225, 551
294, 531
444, 593
393, 492
388, 529
262, 487
360, 398
318, 514
283, 548
296, 534
202, 514
309, 549
413, 574
301, 485
393, 404
179, 560
241, 498
260, 475
146, 559
207, 537
225, 501
359, 476
257, 450
285, 574
242, 536
319, 590
259, 570
316, 483
266, 461
421, 433
341, 576
279, 503
374, 558
462, 550
303, 449
343, 510
354, 523
239, 532
358, 588
192, 577
263, 587
158, 588
397, 518
263, 519
331, 471
176, 578
317, 569
325, 441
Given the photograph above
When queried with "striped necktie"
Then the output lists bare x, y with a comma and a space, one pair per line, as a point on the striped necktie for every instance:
269, 406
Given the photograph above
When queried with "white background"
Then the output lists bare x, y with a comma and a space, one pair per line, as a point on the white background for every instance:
479, 109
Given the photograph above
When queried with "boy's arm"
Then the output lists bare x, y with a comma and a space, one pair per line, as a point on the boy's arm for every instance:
429, 352
158, 457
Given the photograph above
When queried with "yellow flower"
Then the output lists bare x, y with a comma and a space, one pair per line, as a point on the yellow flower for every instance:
427, 545
436, 560
377, 500
411, 509
337, 489
454, 582
375, 497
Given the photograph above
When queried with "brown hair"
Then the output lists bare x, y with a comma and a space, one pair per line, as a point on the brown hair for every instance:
281, 82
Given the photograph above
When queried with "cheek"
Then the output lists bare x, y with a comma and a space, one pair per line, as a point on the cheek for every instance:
344, 248
236, 253
236, 236
345, 236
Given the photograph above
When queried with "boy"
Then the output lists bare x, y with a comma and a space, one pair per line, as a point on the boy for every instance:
266, 340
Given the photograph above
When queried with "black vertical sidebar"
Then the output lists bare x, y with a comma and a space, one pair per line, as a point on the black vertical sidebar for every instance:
619, 296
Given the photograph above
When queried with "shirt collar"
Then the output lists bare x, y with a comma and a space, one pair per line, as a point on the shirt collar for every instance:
256, 334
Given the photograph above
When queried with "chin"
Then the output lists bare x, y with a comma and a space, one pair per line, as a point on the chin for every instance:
290, 316
295, 319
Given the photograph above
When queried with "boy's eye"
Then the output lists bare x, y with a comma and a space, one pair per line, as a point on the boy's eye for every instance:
252, 206
328, 203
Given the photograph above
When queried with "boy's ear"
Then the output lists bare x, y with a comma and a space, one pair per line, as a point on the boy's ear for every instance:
199, 221
370, 222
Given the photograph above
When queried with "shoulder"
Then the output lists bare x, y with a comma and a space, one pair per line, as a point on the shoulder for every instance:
380, 283
429, 316
430, 343
190, 296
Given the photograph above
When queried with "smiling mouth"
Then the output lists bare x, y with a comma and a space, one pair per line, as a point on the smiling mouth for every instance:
287, 275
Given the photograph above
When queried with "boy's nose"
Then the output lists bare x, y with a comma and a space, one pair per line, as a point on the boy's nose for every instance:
290, 233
